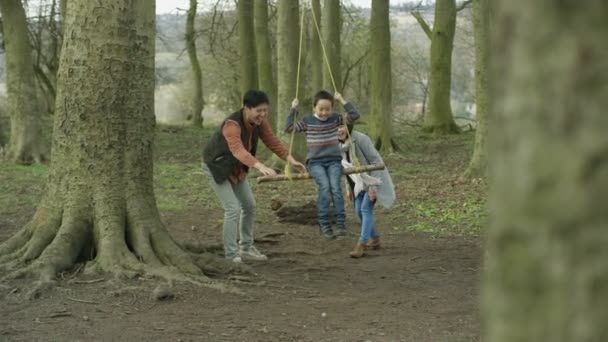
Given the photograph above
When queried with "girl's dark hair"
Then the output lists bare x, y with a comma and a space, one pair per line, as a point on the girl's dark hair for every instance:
254, 98
323, 95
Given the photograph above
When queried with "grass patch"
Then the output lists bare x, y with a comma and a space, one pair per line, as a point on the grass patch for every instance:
20, 187
182, 186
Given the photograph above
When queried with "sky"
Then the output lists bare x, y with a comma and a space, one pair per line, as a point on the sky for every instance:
170, 6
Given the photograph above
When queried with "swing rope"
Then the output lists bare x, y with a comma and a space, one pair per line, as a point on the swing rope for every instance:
287, 170
353, 154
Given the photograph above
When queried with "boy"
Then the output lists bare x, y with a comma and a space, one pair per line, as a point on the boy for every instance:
324, 156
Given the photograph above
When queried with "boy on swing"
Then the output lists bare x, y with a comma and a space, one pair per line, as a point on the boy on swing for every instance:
324, 156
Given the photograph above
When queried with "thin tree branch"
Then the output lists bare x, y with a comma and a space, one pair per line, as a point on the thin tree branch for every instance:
423, 24
463, 5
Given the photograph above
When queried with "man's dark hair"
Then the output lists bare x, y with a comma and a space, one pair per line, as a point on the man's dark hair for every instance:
323, 95
254, 98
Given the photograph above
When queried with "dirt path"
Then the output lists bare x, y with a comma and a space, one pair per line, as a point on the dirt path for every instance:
414, 289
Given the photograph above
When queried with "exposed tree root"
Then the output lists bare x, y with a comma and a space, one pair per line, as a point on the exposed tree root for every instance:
442, 129
128, 245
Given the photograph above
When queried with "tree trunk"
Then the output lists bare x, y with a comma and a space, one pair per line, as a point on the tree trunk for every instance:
62, 7
439, 117
198, 102
546, 271
100, 203
264, 55
287, 51
247, 49
481, 21
332, 25
316, 54
381, 81
26, 144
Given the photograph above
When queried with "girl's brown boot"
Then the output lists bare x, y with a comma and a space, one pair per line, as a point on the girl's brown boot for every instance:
358, 251
373, 243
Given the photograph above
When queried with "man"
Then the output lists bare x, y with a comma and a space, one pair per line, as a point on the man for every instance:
227, 158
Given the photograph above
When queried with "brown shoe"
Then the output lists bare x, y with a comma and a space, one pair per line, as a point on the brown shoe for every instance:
373, 243
358, 251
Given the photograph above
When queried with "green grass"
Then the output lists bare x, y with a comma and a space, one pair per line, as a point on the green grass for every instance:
181, 187
20, 187
429, 199
439, 218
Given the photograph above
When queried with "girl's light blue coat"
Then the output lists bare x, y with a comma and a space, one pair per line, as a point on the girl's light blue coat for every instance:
367, 155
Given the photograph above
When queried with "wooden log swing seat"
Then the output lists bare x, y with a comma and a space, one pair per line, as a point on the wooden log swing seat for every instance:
300, 176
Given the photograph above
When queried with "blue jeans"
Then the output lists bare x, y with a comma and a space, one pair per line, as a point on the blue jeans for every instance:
365, 210
328, 176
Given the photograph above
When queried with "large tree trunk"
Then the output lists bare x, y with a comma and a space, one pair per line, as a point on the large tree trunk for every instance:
381, 81
287, 50
247, 50
100, 201
316, 53
198, 102
439, 118
26, 144
332, 25
546, 272
481, 21
264, 55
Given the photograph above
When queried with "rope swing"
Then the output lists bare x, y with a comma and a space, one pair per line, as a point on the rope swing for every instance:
358, 168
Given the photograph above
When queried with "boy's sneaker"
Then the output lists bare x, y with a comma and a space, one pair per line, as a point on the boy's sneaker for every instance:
327, 233
252, 253
341, 231
236, 259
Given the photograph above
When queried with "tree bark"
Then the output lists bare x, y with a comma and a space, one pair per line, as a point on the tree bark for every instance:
481, 22
380, 74
26, 144
264, 55
316, 54
439, 117
287, 50
546, 271
332, 25
247, 49
198, 101
100, 203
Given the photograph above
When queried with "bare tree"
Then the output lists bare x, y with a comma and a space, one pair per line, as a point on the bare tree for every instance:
198, 101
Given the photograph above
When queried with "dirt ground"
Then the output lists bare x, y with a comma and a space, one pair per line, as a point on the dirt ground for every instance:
421, 286
416, 288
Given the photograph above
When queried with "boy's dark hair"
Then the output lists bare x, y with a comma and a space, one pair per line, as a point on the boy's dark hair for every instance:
323, 95
254, 98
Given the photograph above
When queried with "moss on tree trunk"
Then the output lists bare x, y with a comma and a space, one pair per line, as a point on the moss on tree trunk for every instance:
247, 49
100, 201
331, 27
264, 56
316, 54
481, 19
287, 52
198, 102
381, 80
25, 144
546, 271
439, 117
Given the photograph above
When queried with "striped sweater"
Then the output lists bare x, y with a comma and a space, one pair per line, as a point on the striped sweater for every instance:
321, 136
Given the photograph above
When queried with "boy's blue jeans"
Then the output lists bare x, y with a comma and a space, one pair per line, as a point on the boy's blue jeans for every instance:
365, 210
328, 176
